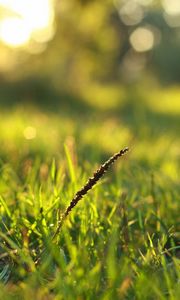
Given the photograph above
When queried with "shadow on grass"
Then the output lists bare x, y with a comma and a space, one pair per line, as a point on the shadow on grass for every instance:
41, 93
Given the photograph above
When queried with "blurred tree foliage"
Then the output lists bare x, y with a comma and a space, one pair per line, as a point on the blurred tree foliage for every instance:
92, 44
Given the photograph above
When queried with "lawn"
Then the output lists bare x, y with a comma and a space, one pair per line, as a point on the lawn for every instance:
121, 241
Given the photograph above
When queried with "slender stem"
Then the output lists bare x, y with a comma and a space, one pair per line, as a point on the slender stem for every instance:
88, 186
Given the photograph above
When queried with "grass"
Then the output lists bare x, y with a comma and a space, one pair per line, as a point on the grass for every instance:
122, 240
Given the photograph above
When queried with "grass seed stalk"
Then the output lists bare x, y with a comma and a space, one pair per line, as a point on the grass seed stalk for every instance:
88, 186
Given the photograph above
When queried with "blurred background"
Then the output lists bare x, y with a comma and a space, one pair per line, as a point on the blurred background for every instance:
96, 75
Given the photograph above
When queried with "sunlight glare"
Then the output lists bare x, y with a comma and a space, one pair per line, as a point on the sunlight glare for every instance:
171, 7
29, 133
14, 32
172, 12
30, 17
130, 12
142, 39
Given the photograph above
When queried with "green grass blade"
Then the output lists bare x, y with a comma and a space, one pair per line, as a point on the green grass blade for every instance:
3, 203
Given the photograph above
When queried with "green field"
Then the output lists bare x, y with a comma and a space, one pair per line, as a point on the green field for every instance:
121, 240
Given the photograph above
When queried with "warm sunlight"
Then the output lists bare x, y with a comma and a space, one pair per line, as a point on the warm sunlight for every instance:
23, 20
142, 39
